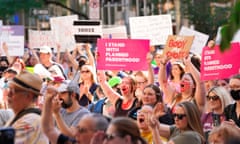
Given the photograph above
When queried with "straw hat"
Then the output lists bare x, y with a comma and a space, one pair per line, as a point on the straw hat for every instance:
28, 81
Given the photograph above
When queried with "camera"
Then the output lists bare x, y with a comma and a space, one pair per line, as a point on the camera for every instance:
7, 135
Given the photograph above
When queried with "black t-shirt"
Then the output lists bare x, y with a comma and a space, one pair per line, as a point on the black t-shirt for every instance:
62, 139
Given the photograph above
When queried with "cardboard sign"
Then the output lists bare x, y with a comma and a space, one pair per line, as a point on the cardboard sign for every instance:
155, 28
119, 32
38, 39
218, 65
122, 54
200, 39
178, 47
14, 38
63, 31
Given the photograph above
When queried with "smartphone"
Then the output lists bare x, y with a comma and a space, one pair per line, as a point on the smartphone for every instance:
216, 119
7, 135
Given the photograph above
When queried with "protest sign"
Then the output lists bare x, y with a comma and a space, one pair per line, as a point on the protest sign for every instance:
178, 47
119, 32
122, 54
87, 31
38, 39
14, 38
155, 28
63, 31
219, 65
200, 39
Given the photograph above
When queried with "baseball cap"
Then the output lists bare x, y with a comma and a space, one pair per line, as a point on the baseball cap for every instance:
114, 81
68, 86
45, 49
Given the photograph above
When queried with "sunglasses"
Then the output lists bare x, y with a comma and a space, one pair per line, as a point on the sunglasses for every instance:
109, 137
86, 71
214, 98
179, 116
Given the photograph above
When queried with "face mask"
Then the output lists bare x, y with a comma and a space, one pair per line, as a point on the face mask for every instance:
235, 94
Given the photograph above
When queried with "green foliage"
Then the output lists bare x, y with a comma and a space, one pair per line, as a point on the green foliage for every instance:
233, 25
205, 18
10, 7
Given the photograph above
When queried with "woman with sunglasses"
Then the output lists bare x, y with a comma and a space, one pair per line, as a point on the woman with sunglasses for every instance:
88, 84
187, 128
191, 87
121, 130
217, 99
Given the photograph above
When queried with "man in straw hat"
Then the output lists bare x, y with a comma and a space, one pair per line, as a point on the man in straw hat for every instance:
22, 94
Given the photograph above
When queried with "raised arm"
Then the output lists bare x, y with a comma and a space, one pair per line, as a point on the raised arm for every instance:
9, 58
59, 120
150, 69
72, 59
107, 90
47, 119
200, 89
162, 77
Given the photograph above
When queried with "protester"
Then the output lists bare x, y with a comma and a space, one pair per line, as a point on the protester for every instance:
232, 111
123, 103
23, 93
217, 99
66, 109
122, 130
192, 89
88, 85
48, 68
187, 128
224, 134
86, 128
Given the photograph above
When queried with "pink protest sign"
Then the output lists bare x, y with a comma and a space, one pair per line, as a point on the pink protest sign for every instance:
122, 54
218, 65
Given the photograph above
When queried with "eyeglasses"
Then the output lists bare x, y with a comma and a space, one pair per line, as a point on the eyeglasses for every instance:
86, 71
109, 137
179, 116
214, 98
82, 130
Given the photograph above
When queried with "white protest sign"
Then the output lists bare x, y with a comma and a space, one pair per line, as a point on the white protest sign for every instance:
236, 37
38, 39
14, 38
156, 28
63, 31
199, 41
118, 32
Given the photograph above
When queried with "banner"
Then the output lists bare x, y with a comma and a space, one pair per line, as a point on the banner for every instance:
63, 31
155, 28
200, 39
14, 38
122, 54
38, 39
219, 65
178, 47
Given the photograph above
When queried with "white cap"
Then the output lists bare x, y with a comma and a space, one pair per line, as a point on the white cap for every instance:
45, 49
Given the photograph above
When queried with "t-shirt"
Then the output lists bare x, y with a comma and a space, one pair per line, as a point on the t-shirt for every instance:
72, 119
186, 137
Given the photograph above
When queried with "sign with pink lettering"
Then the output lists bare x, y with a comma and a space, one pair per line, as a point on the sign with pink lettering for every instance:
122, 54
178, 47
218, 65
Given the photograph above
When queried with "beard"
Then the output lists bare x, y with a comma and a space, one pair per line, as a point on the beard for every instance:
68, 103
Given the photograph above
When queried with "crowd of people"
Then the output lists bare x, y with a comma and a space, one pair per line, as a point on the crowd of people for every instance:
58, 97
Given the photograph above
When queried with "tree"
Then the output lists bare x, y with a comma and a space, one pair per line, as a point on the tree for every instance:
204, 16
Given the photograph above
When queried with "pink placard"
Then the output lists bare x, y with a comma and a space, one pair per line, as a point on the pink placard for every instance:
122, 54
218, 65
